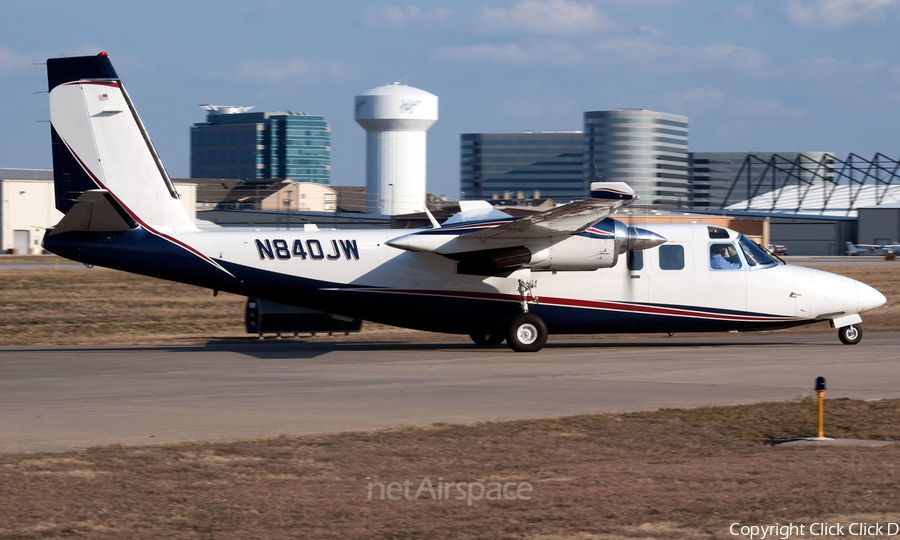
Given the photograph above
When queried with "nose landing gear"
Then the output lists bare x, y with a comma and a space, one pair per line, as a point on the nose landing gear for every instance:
850, 335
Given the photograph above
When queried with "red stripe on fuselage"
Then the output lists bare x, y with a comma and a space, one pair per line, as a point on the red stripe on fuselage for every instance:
592, 304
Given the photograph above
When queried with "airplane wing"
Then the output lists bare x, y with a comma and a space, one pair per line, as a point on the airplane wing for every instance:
571, 218
553, 225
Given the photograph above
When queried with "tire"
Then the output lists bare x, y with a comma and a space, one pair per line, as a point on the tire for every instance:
850, 335
527, 333
487, 340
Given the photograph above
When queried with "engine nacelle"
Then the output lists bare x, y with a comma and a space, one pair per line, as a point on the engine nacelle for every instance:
597, 247
576, 253
600, 248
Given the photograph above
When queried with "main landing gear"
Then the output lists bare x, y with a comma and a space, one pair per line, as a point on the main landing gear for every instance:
488, 340
527, 333
850, 335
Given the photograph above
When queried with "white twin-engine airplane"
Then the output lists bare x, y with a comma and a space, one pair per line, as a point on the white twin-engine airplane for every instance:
484, 273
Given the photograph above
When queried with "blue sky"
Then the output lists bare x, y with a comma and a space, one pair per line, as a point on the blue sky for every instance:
815, 75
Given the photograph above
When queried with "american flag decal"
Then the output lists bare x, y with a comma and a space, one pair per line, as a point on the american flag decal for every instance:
103, 97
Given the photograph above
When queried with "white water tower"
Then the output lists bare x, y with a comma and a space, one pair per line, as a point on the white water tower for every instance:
396, 118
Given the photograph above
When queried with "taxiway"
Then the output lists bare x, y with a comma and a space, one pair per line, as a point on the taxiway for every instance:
57, 398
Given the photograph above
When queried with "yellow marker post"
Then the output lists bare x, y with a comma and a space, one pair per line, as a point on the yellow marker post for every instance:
820, 390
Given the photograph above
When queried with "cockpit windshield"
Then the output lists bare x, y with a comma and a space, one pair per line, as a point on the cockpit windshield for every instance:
754, 254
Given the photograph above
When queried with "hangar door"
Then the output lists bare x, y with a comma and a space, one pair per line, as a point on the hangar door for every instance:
20, 242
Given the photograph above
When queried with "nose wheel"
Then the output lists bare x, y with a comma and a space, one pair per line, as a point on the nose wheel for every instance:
850, 335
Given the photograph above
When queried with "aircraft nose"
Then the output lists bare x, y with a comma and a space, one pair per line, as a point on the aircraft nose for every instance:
868, 297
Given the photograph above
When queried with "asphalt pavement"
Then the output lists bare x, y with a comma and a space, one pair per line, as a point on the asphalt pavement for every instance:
56, 398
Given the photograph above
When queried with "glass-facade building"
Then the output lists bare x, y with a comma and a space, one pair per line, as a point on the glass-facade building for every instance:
713, 174
262, 145
646, 149
500, 165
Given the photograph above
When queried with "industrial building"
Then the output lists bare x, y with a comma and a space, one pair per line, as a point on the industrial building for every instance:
235, 143
813, 203
647, 149
396, 118
713, 174
505, 166
28, 208
264, 194
878, 224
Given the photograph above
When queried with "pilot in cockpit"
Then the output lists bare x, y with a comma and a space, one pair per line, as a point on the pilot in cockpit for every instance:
717, 259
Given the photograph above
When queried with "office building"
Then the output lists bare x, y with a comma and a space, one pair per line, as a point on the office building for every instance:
522, 165
646, 149
236, 143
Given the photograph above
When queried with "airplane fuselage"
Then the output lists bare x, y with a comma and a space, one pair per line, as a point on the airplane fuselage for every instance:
354, 273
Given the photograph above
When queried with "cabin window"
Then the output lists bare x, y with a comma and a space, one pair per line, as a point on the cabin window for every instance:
724, 257
717, 233
671, 257
755, 255
635, 260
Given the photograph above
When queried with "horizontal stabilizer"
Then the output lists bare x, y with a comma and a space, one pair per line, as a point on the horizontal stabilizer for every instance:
95, 211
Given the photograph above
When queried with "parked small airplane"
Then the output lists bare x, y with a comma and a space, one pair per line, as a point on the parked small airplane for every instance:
871, 249
572, 269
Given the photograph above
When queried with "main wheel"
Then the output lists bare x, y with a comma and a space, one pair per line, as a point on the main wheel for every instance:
850, 335
487, 340
527, 333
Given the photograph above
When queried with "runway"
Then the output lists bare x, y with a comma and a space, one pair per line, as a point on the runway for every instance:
58, 398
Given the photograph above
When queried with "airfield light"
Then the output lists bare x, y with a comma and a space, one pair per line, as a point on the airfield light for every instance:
820, 391
102, 53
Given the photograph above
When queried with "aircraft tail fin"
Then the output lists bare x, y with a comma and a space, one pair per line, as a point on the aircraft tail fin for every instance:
100, 143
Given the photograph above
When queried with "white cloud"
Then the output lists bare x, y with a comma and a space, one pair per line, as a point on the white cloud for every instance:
741, 13
544, 52
699, 100
832, 14
275, 71
539, 107
649, 32
13, 63
642, 4
828, 68
650, 54
692, 100
546, 17
687, 101
391, 16
768, 107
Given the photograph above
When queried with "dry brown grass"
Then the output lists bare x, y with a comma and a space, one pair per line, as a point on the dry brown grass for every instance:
72, 306
668, 474
76, 306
